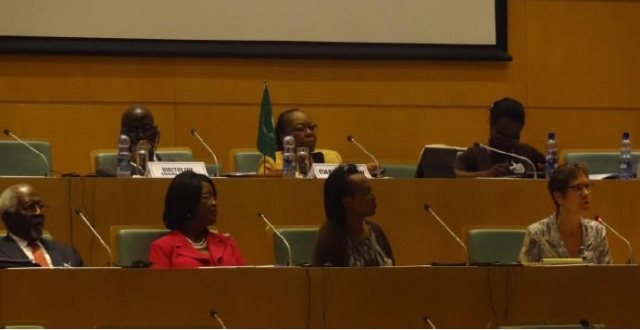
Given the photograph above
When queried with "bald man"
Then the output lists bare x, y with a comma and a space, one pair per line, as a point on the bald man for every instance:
22, 211
138, 124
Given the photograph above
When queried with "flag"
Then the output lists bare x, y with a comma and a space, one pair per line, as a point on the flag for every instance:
266, 131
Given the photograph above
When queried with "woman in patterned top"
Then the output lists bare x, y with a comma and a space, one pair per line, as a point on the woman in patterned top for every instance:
566, 234
348, 239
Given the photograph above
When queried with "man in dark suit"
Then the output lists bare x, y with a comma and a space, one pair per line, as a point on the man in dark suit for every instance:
138, 124
22, 212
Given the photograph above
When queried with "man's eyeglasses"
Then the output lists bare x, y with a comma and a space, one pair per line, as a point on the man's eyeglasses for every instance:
34, 208
580, 188
304, 128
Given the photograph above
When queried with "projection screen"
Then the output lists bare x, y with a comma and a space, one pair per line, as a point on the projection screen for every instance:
356, 29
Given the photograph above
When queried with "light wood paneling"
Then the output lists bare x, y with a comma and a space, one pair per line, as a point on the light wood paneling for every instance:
583, 53
51, 79
75, 129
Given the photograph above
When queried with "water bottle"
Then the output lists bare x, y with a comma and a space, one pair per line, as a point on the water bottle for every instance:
124, 156
551, 160
626, 168
289, 157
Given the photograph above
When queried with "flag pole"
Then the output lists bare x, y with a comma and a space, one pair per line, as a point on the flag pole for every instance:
264, 157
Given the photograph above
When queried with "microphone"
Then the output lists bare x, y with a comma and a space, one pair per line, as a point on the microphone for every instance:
215, 316
215, 159
427, 208
79, 212
46, 162
351, 139
533, 166
277, 232
428, 322
631, 259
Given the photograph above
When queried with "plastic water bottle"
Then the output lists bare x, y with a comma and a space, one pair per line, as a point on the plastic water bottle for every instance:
289, 157
626, 167
551, 160
124, 156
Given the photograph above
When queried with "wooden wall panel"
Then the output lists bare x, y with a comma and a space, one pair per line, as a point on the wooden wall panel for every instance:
51, 79
77, 128
583, 53
582, 128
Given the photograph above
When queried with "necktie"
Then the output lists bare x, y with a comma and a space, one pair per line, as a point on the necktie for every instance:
38, 255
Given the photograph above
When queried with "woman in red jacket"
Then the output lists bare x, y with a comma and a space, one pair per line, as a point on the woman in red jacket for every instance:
190, 206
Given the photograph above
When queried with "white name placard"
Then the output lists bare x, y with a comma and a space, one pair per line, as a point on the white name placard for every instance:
322, 171
171, 169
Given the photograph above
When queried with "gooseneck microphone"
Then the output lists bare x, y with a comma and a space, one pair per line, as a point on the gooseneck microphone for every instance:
533, 166
351, 139
631, 259
428, 322
277, 232
46, 162
215, 316
106, 247
428, 208
194, 132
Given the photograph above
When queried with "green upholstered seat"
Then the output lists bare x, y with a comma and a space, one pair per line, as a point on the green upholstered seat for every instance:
104, 161
19, 160
132, 245
495, 245
301, 241
399, 171
247, 161
599, 162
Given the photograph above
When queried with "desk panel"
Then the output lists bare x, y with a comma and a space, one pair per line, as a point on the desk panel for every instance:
390, 297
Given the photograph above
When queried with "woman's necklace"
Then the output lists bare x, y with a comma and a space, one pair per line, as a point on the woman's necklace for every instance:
202, 244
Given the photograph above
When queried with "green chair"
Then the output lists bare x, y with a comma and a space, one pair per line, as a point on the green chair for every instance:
301, 240
132, 244
19, 160
45, 234
103, 161
599, 162
399, 171
247, 161
22, 325
211, 169
494, 245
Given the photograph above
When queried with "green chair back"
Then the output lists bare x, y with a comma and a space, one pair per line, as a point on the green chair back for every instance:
19, 160
132, 245
211, 169
301, 241
247, 161
105, 162
399, 171
494, 245
599, 162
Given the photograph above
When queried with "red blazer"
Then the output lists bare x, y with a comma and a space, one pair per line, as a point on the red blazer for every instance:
175, 251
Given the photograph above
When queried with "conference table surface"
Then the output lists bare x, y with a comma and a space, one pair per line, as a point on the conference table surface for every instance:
280, 297
415, 236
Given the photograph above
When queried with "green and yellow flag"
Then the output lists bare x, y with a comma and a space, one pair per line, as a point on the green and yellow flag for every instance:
266, 131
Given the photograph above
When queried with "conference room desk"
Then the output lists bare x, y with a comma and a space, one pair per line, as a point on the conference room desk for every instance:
389, 297
415, 236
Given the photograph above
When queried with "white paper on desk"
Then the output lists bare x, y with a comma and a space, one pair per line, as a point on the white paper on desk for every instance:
603, 176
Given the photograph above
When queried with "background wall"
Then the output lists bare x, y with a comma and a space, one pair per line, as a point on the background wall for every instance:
575, 67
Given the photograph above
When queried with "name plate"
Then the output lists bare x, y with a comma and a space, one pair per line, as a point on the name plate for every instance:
322, 171
171, 169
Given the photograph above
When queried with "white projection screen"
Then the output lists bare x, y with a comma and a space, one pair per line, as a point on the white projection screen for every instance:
347, 29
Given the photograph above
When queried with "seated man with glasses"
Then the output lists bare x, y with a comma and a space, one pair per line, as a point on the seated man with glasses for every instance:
506, 122
22, 212
566, 234
138, 124
299, 125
